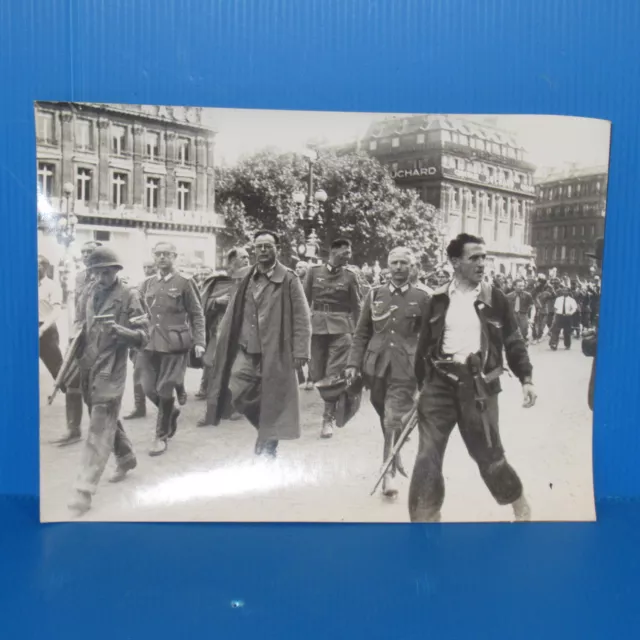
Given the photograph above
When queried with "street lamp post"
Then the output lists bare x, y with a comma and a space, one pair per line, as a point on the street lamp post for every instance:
309, 204
66, 233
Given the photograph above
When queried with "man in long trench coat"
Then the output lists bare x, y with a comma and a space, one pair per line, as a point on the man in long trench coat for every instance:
264, 336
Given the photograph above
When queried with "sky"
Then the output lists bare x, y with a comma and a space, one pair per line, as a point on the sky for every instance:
550, 141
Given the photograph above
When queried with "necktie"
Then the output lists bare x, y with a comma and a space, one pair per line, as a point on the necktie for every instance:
517, 303
564, 306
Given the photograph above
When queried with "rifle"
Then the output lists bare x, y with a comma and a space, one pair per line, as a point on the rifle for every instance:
410, 421
69, 368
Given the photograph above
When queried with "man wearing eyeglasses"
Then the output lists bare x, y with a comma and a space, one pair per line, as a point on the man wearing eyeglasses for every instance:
264, 336
176, 324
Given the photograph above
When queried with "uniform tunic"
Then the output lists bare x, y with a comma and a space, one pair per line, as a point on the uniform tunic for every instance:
103, 367
176, 323
384, 348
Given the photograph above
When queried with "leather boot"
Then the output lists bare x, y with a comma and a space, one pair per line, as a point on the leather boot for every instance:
73, 407
204, 384
181, 394
122, 470
159, 445
140, 405
170, 414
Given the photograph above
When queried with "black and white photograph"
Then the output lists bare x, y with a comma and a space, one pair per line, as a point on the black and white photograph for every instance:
288, 316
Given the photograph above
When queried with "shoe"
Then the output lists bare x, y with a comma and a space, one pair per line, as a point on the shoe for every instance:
236, 416
521, 509
174, 422
138, 412
204, 422
122, 470
388, 488
309, 386
80, 503
182, 397
70, 438
327, 429
158, 447
201, 395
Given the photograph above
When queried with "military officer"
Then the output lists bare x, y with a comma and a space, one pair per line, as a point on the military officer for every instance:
140, 405
73, 395
384, 347
176, 324
114, 320
333, 294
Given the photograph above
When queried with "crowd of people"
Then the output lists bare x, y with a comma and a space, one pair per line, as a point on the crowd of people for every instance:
259, 330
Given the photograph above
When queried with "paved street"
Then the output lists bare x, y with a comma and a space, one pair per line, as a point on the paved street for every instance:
210, 474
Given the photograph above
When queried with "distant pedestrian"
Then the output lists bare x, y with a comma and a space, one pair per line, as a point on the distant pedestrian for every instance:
564, 309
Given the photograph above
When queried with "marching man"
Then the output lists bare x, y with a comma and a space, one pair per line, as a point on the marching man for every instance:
333, 294
176, 324
466, 326
384, 347
113, 321
264, 337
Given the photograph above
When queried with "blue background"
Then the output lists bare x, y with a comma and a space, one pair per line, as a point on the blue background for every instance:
573, 57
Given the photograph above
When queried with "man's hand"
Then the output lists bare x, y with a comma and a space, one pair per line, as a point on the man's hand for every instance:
300, 362
199, 351
529, 395
350, 373
116, 329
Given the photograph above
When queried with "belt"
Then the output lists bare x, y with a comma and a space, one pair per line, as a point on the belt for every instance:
329, 307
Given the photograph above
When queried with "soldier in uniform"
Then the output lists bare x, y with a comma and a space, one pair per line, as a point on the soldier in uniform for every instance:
384, 348
333, 294
466, 326
73, 395
139, 399
414, 278
114, 320
176, 325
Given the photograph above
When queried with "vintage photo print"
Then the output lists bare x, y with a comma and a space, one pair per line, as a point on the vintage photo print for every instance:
317, 317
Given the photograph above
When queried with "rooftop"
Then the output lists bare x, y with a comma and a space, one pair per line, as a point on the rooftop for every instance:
483, 127
569, 173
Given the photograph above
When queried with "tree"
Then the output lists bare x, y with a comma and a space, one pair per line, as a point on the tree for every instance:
364, 204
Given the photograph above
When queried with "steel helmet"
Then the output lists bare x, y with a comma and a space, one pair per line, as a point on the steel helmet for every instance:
103, 257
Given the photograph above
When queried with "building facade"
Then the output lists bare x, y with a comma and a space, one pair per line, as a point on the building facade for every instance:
474, 174
568, 217
134, 175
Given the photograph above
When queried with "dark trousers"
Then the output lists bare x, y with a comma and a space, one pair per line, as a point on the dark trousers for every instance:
564, 324
539, 324
245, 387
329, 354
51, 356
523, 324
442, 405
106, 435
50, 353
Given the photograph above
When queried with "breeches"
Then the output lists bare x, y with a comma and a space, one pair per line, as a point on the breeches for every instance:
392, 399
329, 355
441, 407
161, 373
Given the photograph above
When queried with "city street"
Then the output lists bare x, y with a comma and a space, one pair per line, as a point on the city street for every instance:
211, 474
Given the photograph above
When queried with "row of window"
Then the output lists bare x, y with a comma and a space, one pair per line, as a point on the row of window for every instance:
586, 209
120, 138
487, 203
575, 190
120, 187
562, 232
560, 254
436, 137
